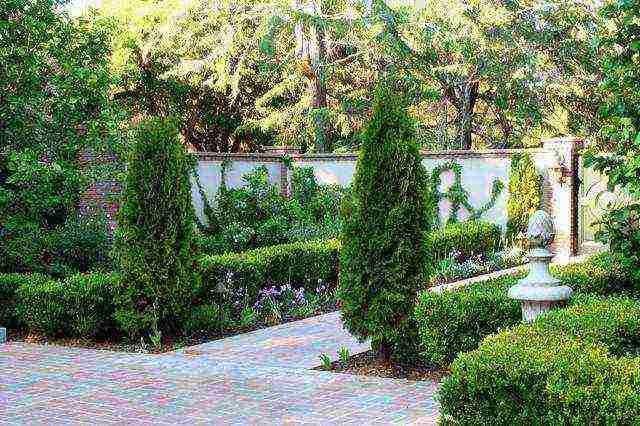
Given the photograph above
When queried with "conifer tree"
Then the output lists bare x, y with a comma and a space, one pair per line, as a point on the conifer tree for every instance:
382, 260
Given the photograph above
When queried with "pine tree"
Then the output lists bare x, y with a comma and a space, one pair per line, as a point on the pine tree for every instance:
382, 260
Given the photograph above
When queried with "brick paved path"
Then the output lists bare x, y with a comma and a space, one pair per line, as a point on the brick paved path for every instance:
257, 378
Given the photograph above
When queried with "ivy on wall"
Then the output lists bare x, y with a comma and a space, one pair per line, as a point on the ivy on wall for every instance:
456, 195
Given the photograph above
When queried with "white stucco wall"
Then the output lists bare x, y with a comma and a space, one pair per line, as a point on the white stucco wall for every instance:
479, 170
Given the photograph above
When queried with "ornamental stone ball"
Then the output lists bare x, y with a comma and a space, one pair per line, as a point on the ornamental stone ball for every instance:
539, 291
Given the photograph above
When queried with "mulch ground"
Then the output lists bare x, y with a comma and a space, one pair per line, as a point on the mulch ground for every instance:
368, 364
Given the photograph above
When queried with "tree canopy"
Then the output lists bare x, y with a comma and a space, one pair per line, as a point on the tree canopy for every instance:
301, 72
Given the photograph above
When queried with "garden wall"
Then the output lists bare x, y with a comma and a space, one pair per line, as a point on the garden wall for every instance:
557, 162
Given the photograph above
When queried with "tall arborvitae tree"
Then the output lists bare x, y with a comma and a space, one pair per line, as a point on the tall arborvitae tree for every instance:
155, 231
382, 262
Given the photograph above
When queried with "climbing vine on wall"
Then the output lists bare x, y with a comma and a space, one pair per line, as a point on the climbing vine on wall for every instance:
456, 195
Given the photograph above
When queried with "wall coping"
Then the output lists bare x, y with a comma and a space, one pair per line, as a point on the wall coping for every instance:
269, 157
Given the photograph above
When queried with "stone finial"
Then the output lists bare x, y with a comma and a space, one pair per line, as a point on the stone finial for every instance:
540, 230
539, 291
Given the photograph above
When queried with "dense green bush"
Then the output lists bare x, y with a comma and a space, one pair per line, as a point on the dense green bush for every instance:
462, 240
9, 285
80, 244
452, 322
525, 195
79, 306
573, 366
382, 261
155, 231
602, 274
258, 215
243, 275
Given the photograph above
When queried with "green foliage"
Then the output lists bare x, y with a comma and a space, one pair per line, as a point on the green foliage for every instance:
382, 261
79, 306
239, 277
618, 149
258, 215
155, 232
80, 244
462, 240
602, 274
55, 84
525, 195
453, 322
456, 195
572, 366
9, 285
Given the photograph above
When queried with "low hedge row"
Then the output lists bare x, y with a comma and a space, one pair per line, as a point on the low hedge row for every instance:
578, 365
78, 306
465, 239
453, 322
243, 275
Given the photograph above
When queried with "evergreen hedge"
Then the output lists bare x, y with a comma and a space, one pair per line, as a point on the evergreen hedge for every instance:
382, 260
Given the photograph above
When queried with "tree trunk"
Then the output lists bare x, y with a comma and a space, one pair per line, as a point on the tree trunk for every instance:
319, 87
466, 110
384, 352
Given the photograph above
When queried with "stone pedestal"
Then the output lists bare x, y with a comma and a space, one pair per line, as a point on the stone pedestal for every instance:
539, 291
3, 335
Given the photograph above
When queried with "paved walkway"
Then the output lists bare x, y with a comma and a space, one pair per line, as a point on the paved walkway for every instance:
257, 378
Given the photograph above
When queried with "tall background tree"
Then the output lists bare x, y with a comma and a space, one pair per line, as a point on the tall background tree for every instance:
54, 103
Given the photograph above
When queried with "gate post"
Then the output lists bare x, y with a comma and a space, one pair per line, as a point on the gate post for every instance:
564, 179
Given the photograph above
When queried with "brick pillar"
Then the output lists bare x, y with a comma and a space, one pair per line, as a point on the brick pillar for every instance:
563, 204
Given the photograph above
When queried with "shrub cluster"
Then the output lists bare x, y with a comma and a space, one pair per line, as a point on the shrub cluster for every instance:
258, 215
453, 322
456, 321
78, 306
243, 275
463, 240
573, 366
77, 245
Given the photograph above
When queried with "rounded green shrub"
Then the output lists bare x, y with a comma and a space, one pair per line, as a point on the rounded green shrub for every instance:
155, 234
573, 366
453, 322
79, 306
384, 220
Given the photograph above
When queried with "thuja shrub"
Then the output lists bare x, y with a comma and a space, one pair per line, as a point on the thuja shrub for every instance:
572, 366
155, 232
525, 195
384, 220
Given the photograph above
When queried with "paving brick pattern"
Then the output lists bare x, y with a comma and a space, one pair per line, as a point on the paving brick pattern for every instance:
249, 379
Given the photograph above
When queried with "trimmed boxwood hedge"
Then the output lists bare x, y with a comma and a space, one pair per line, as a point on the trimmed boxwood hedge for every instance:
465, 238
9, 285
456, 321
572, 366
79, 306
301, 264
